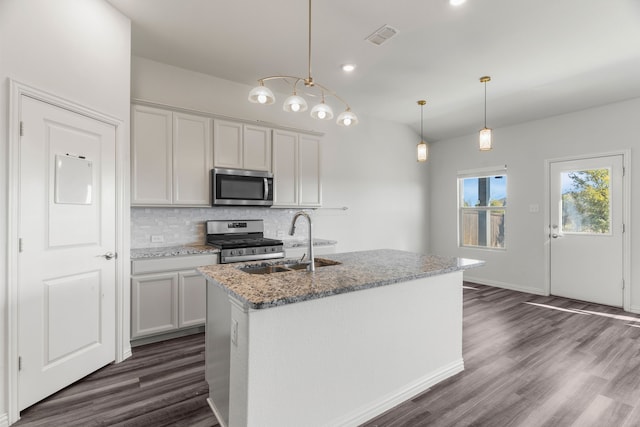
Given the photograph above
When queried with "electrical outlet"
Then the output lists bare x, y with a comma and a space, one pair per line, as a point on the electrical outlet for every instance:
279, 233
157, 239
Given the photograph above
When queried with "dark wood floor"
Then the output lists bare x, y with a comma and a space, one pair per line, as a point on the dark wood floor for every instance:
162, 384
529, 361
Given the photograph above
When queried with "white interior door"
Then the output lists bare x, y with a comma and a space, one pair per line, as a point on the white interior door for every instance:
67, 217
586, 236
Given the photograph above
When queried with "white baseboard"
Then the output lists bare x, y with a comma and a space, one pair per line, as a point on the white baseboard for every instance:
634, 309
4, 420
372, 410
504, 285
215, 412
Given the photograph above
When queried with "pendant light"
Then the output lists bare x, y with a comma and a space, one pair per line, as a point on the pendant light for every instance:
295, 103
485, 139
422, 149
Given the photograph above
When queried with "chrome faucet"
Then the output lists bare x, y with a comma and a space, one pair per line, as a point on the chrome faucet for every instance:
311, 266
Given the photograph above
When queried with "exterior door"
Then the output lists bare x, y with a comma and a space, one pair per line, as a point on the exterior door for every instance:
66, 226
586, 242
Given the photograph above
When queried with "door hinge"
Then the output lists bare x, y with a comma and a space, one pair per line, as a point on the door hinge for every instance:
20, 244
19, 363
21, 128
623, 228
622, 283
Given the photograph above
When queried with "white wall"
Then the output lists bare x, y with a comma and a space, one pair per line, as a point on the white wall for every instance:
75, 49
370, 168
524, 149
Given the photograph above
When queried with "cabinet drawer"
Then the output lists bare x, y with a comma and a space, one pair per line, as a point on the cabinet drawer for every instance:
160, 264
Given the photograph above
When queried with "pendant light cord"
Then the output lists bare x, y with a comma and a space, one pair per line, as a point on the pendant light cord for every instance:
310, 79
485, 103
421, 122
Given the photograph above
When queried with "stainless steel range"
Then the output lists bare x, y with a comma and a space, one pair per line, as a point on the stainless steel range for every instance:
242, 241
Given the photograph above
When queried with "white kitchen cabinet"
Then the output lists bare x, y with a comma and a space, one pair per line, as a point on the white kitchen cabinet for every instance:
151, 156
154, 302
168, 294
296, 170
192, 159
172, 156
191, 299
241, 146
309, 171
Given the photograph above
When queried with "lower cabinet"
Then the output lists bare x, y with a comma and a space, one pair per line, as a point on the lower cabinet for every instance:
168, 296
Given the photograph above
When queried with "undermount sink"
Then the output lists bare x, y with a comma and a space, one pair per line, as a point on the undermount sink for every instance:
287, 267
267, 269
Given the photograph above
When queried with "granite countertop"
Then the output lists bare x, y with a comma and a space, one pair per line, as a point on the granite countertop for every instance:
172, 251
357, 271
296, 243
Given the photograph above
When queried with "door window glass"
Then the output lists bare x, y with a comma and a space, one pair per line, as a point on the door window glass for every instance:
586, 204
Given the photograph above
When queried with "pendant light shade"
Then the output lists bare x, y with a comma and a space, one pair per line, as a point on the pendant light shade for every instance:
261, 95
422, 148
294, 104
322, 111
347, 118
485, 139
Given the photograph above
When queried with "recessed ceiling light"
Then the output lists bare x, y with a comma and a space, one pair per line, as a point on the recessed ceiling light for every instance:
348, 67
456, 2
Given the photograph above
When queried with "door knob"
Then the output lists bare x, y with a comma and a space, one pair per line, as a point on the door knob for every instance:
109, 255
555, 236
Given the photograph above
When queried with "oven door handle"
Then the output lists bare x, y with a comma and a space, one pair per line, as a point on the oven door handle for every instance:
266, 189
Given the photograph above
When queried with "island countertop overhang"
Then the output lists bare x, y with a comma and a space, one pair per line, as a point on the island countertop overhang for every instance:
357, 271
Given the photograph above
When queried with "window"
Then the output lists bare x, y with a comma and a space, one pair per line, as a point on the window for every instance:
482, 208
586, 205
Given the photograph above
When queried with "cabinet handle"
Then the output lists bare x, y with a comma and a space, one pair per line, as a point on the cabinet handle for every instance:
266, 189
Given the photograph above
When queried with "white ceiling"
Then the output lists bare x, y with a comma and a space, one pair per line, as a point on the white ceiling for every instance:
545, 57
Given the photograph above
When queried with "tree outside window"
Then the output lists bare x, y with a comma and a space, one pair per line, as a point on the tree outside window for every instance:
586, 205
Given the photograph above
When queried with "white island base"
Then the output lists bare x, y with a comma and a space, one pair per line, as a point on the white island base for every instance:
334, 361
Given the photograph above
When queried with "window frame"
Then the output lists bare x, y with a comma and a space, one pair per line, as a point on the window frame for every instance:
481, 173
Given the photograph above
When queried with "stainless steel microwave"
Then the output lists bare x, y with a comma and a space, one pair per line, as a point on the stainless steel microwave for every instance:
240, 187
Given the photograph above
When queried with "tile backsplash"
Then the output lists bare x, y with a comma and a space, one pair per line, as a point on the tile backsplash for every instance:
179, 226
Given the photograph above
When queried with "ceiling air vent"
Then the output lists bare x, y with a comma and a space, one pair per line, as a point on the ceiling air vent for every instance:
382, 34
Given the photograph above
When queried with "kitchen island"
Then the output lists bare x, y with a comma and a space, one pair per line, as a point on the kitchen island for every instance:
332, 348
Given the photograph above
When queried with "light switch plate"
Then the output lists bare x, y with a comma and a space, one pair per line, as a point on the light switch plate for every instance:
157, 239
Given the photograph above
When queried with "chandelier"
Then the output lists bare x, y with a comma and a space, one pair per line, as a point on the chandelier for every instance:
295, 103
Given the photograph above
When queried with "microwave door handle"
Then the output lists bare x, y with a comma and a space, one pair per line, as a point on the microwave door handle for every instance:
266, 189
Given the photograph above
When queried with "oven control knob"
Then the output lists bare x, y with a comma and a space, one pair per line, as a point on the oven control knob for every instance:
253, 251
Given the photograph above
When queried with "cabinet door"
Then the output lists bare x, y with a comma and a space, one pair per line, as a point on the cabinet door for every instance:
285, 168
257, 148
193, 298
154, 304
309, 171
192, 159
151, 156
227, 144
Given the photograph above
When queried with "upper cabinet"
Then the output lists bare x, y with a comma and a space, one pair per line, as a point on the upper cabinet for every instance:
171, 158
296, 170
241, 146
